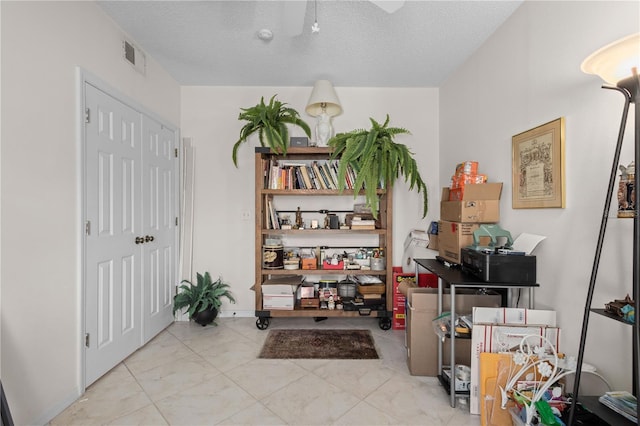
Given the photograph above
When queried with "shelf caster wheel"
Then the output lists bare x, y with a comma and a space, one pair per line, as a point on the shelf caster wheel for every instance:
262, 323
384, 323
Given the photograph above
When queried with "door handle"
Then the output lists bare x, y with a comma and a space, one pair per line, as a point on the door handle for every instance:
148, 238
139, 240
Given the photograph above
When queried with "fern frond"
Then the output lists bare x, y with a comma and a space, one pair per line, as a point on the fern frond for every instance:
378, 161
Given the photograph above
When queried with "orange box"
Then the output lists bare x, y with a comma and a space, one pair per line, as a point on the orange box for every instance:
309, 263
460, 181
467, 168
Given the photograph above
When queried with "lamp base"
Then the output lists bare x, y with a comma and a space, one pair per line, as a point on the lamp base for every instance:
323, 130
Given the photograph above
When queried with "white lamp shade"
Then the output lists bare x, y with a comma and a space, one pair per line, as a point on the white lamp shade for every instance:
615, 61
323, 93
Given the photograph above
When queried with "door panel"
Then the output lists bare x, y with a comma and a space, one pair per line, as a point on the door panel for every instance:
161, 204
113, 206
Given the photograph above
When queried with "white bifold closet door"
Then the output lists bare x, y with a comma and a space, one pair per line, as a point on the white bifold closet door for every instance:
130, 248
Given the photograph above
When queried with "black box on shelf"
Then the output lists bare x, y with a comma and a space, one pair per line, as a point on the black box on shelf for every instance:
299, 141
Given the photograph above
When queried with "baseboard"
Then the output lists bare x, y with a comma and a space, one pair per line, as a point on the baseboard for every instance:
237, 314
55, 410
223, 314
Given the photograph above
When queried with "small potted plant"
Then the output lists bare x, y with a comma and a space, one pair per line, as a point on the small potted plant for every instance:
270, 121
202, 300
377, 160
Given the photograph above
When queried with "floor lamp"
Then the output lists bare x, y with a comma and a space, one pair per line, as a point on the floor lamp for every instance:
617, 64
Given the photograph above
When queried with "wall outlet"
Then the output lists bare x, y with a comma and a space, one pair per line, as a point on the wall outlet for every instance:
246, 215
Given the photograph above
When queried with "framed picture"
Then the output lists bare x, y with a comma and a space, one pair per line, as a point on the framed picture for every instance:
538, 167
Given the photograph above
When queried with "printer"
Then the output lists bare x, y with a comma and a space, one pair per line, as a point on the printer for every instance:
497, 262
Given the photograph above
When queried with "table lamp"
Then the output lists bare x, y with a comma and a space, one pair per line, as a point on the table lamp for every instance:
323, 104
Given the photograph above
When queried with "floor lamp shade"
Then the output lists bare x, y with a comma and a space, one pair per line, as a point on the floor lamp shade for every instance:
615, 62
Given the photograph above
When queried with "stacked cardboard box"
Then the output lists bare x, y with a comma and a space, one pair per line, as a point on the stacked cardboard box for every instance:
463, 208
421, 340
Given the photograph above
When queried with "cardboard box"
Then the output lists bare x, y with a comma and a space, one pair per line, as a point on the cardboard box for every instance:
309, 263
500, 338
514, 316
278, 296
422, 342
415, 247
452, 237
479, 204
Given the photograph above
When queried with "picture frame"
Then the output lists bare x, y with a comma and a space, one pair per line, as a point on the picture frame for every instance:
538, 171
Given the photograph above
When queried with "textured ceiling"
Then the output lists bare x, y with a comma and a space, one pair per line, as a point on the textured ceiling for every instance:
215, 43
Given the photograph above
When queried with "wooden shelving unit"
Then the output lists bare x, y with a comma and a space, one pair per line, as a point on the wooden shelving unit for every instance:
382, 235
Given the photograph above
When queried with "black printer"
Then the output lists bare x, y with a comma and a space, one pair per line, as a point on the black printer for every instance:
499, 267
496, 262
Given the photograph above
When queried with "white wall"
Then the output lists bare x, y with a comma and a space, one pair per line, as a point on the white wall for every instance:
42, 44
528, 73
223, 242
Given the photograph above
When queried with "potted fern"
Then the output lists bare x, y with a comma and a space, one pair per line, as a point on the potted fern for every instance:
270, 121
202, 300
377, 161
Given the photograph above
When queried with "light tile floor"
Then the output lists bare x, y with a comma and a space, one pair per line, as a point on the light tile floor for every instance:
193, 375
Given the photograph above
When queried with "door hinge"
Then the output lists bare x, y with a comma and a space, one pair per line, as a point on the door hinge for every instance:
87, 227
87, 115
176, 220
86, 340
176, 152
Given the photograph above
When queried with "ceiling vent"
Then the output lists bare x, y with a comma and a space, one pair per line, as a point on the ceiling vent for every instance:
134, 56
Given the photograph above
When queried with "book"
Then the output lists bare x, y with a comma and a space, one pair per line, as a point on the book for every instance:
275, 223
316, 171
314, 178
622, 402
333, 168
358, 221
274, 177
306, 177
361, 227
327, 172
299, 179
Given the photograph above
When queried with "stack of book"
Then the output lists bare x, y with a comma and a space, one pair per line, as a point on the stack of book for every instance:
622, 402
359, 223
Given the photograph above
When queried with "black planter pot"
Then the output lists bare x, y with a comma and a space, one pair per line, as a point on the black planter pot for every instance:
205, 317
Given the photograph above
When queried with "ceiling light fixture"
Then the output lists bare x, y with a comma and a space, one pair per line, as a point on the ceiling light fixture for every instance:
315, 28
265, 34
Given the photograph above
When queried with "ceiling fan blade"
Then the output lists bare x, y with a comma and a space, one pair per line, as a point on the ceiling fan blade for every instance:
293, 14
389, 6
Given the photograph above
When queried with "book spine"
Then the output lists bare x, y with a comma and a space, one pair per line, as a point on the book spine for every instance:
324, 177
327, 172
316, 171
314, 179
306, 177
299, 178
